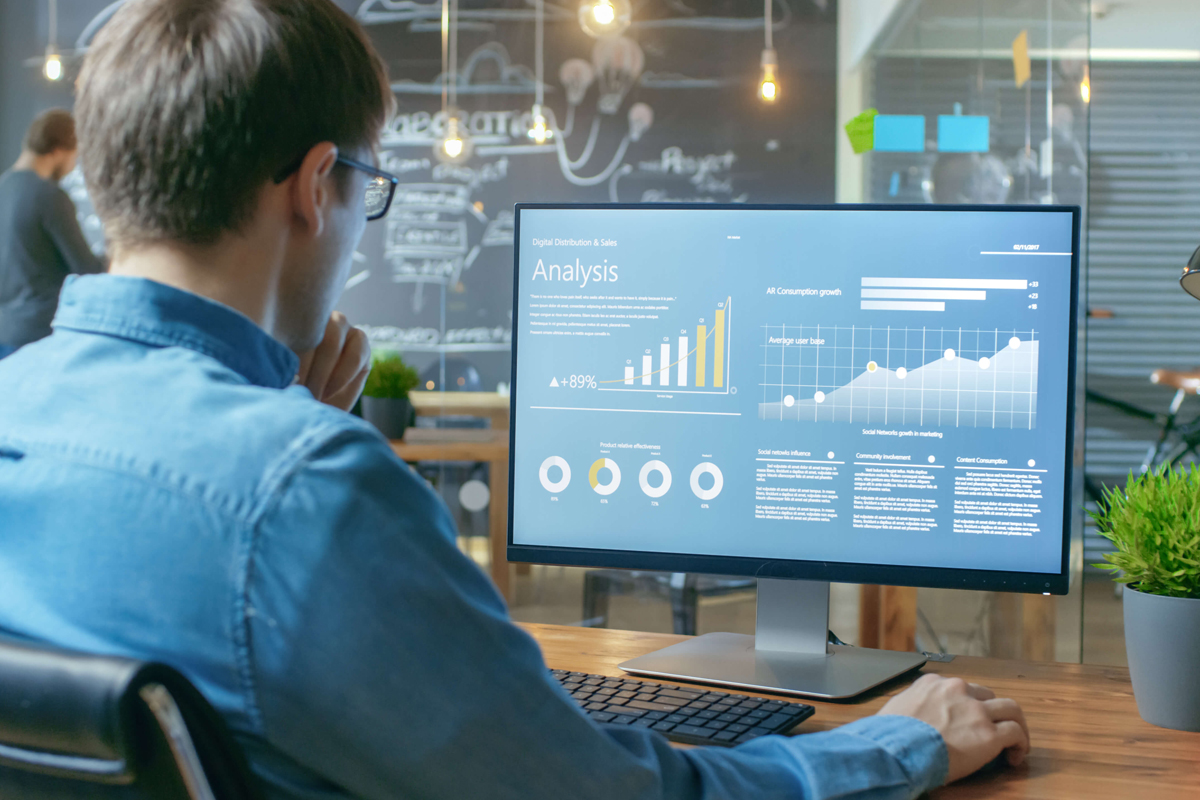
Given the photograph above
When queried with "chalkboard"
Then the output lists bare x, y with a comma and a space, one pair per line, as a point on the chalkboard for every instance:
668, 112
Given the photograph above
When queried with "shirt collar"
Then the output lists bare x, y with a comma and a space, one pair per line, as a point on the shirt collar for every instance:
155, 314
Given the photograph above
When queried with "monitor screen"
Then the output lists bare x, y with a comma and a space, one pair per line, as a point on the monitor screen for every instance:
845, 393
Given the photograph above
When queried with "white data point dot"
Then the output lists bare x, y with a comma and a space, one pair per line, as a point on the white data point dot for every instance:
872, 366
932, 459
984, 363
1014, 343
789, 401
949, 354
901, 373
819, 397
829, 455
1032, 463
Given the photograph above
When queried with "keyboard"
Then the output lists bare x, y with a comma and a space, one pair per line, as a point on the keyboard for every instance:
683, 714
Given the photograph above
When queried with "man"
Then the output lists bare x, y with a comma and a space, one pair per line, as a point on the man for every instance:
168, 492
40, 241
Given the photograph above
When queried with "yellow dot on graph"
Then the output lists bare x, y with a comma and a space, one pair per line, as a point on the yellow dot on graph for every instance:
872, 366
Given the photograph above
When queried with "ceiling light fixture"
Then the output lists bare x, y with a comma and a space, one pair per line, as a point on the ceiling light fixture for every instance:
455, 146
539, 129
604, 17
768, 88
53, 68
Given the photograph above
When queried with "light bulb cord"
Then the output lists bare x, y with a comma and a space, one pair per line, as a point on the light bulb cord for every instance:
768, 24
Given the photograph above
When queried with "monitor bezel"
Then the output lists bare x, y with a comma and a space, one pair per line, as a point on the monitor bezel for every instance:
841, 572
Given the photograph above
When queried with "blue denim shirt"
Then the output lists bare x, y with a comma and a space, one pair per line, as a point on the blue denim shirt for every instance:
167, 493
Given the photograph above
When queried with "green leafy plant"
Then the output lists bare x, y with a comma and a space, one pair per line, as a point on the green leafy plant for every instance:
1155, 524
390, 376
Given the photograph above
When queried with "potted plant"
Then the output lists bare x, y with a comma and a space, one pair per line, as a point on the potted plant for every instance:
1155, 524
385, 402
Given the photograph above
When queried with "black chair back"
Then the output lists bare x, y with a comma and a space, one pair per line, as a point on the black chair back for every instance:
74, 725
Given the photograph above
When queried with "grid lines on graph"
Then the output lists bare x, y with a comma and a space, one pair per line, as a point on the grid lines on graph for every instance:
900, 375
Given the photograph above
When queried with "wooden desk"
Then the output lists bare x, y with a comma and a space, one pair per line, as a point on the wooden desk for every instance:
462, 404
495, 452
1088, 740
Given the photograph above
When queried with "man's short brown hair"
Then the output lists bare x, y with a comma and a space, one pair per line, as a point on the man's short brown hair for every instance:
187, 108
51, 130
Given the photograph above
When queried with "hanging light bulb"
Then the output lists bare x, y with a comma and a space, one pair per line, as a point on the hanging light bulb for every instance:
768, 89
604, 17
1085, 88
456, 146
53, 68
539, 130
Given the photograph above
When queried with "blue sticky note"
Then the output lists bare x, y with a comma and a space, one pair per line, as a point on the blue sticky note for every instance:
961, 134
900, 133
894, 186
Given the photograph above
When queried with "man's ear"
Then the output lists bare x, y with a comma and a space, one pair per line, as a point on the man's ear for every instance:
312, 189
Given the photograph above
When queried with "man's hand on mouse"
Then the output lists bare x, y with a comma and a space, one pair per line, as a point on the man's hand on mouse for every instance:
336, 370
975, 724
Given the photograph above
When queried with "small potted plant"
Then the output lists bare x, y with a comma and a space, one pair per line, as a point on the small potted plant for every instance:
385, 402
1155, 524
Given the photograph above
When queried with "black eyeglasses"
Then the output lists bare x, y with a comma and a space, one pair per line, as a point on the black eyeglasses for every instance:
379, 191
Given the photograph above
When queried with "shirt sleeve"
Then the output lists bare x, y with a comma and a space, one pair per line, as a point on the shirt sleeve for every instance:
384, 660
62, 226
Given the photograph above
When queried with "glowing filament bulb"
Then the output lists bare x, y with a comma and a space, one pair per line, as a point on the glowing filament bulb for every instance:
540, 130
604, 12
768, 90
53, 69
453, 147
1085, 89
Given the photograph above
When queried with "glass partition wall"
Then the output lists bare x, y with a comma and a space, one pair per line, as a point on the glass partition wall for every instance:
977, 102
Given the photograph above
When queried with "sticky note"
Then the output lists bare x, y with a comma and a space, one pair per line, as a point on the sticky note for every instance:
861, 131
1021, 66
900, 133
894, 185
959, 134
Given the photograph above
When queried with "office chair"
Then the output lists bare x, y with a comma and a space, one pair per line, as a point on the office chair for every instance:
84, 726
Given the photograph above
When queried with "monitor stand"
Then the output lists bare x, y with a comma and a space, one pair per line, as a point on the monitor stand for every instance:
789, 652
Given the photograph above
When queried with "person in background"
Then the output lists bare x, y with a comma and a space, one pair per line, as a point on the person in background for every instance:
171, 489
40, 240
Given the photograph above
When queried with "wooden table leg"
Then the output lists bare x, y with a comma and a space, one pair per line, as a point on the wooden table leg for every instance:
868, 616
1037, 627
899, 605
498, 524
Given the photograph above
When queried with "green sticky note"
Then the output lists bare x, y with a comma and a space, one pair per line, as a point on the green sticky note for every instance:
861, 131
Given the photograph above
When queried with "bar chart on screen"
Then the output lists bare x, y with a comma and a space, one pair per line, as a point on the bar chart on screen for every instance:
924, 376
696, 360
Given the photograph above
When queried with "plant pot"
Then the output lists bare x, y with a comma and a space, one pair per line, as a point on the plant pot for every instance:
1162, 640
391, 415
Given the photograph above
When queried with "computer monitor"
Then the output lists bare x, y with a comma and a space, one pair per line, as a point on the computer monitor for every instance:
804, 394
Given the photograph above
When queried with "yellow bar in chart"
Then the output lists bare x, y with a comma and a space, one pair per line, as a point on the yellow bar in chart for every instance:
701, 340
719, 349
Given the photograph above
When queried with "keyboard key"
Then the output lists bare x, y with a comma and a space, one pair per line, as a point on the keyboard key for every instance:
738, 728
749, 705
601, 716
725, 736
699, 705
594, 681
663, 726
758, 714
707, 715
748, 735
642, 704
687, 712
626, 710
627, 695
606, 692
679, 694
594, 707
611, 684
616, 701
643, 723
645, 696
729, 718
675, 718
655, 715
623, 720
692, 730
716, 725
777, 721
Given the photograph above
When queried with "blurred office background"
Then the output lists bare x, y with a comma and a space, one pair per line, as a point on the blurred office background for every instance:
1023, 101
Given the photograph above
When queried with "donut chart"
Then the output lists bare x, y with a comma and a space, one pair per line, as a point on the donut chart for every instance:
709, 468
594, 476
644, 478
554, 487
